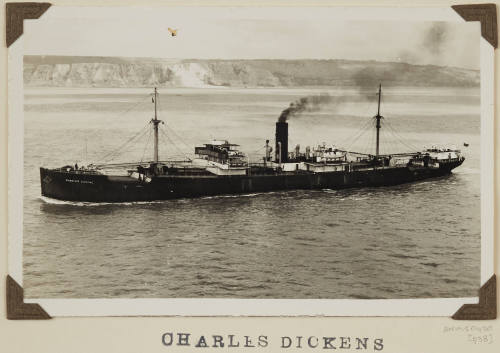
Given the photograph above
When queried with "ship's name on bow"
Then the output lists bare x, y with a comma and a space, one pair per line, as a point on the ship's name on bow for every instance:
79, 181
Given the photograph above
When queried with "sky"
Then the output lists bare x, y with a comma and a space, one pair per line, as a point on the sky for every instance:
256, 34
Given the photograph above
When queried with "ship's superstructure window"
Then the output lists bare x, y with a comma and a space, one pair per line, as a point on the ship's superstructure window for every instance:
221, 152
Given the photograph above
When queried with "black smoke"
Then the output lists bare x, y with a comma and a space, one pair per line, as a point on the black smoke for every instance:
366, 82
305, 104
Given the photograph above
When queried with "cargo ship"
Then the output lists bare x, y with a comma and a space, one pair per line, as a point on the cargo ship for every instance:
219, 168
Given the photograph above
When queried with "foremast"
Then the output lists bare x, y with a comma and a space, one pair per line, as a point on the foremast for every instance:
155, 122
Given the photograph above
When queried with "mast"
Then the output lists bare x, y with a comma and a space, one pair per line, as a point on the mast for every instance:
378, 117
155, 122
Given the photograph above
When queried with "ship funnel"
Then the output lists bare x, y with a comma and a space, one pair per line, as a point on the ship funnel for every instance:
281, 142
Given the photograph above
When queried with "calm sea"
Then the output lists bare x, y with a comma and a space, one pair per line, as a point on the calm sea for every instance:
415, 240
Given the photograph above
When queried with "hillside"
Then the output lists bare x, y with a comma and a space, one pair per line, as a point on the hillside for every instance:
60, 71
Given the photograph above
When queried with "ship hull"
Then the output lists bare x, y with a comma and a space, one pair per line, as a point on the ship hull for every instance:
71, 186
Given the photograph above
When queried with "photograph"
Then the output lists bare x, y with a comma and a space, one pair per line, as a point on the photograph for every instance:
243, 154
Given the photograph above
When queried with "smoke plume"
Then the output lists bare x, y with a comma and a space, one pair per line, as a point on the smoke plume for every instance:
366, 82
431, 44
435, 38
304, 104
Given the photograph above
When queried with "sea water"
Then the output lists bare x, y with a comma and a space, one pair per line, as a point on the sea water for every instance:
415, 240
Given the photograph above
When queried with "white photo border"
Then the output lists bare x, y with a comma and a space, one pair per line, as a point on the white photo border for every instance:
249, 307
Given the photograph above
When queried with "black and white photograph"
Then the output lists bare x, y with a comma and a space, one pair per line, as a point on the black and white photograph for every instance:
239, 154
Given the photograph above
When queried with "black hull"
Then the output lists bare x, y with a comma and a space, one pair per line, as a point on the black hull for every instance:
71, 186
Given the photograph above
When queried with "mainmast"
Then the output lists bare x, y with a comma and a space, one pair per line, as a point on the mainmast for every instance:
378, 117
155, 122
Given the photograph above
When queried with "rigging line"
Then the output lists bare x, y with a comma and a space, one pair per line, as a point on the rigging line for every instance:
118, 154
256, 152
125, 143
392, 145
345, 137
352, 138
372, 140
172, 131
373, 149
353, 142
167, 127
408, 144
146, 145
173, 144
121, 114
366, 106
188, 149
384, 141
392, 140
388, 144
399, 145
367, 143
136, 104
360, 133
371, 144
362, 143
392, 128
401, 138
355, 134
111, 153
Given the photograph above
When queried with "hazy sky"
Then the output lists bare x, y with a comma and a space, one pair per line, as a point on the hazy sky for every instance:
230, 34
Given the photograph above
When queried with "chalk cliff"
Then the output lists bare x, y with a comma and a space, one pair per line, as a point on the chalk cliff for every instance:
60, 71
